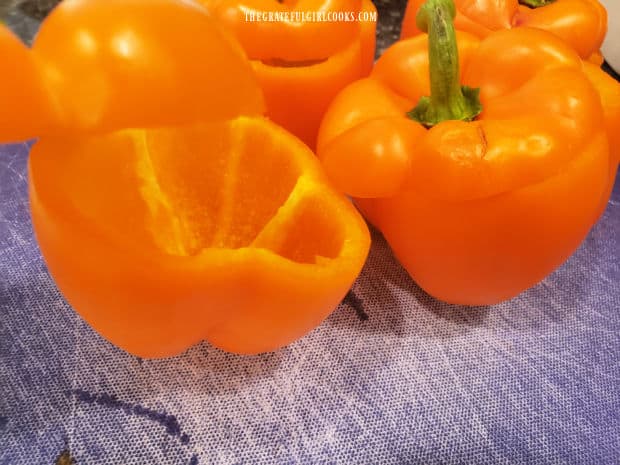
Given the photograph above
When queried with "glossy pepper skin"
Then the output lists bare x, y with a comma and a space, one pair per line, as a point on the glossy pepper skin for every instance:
110, 65
301, 66
609, 91
582, 24
24, 111
477, 211
197, 220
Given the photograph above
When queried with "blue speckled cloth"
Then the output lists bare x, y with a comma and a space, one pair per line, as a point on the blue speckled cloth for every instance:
392, 377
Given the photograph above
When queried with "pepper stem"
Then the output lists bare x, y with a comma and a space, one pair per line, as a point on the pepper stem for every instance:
448, 100
535, 3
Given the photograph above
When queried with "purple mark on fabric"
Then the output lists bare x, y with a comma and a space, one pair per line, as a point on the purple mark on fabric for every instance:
170, 422
353, 301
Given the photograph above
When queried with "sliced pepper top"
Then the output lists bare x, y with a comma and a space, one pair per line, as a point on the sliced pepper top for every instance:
24, 108
129, 63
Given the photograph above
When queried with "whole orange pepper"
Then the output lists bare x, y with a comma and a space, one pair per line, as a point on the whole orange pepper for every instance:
580, 23
167, 209
301, 65
510, 176
609, 90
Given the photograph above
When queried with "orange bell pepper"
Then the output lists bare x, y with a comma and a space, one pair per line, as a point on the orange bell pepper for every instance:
301, 66
146, 75
162, 238
167, 209
609, 90
580, 23
24, 110
510, 176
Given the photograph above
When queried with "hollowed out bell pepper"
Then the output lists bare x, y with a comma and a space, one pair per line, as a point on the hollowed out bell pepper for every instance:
167, 209
510, 176
580, 23
301, 65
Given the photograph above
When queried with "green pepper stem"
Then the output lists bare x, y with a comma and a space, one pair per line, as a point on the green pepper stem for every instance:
535, 3
448, 100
